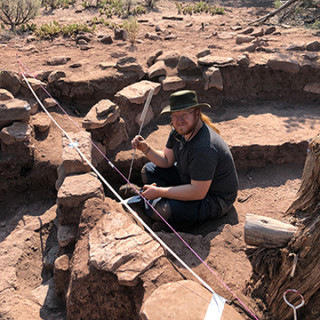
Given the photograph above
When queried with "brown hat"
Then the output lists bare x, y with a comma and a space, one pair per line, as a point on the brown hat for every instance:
182, 100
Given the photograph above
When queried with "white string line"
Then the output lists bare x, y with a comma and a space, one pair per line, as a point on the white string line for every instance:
117, 195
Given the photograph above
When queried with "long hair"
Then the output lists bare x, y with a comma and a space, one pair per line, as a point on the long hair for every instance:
209, 123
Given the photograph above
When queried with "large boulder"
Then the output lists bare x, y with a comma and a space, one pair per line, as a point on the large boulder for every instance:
74, 191
115, 265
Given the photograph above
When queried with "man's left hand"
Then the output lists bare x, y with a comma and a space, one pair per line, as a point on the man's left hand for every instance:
151, 192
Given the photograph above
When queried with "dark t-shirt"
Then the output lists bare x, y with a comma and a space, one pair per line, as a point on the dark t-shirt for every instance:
206, 156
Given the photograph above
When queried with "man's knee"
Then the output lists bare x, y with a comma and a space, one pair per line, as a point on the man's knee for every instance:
163, 208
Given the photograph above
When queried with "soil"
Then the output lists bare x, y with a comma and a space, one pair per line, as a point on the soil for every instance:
267, 191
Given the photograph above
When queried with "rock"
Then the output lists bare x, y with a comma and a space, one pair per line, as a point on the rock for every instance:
119, 246
203, 53
313, 46
170, 58
296, 47
17, 132
247, 30
138, 92
183, 299
116, 135
152, 36
270, 30
41, 121
61, 176
313, 87
211, 60
72, 161
186, 62
247, 48
152, 58
170, 37
213, 78
244, 39
107, 65
118, 54
101, 114
10, 81
66, 235
120, 34
49, 102
50, 257
85, 47
56, 75
5, 95
57, 61
156, 70
75, 65
43, 75
258, 33
130, 64
97, 155
311, 56
76, 189
225, 35
62, 274
82, 42
106, 40
86, 38
34, 83
283, 63
172, 83
243, 60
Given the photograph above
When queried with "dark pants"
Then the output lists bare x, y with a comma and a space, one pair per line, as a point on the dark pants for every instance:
179, 213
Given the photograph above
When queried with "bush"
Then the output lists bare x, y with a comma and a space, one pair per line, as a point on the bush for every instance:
17, 12
131, 26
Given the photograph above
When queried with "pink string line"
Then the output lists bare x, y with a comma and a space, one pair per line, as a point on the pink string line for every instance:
137, 191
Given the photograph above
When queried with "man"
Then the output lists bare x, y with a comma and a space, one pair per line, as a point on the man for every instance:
194, 178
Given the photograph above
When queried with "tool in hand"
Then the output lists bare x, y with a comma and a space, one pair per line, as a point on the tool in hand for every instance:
142, 118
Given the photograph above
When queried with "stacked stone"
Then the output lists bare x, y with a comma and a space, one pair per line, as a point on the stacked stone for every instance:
76, 184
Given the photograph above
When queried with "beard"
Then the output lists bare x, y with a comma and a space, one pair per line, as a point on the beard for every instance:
186, 128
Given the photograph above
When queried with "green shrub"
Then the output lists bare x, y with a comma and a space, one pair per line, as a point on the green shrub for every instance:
131, 26
54, 29
16, 12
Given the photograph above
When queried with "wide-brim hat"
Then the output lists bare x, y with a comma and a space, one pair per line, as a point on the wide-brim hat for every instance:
182, 100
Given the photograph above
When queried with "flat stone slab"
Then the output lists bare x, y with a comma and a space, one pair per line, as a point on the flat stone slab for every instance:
117, 245
14, 109
78, 188
101, 114
184, 299
138, 92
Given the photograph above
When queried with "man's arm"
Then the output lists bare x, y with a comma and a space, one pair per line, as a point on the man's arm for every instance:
196, 190
163, 159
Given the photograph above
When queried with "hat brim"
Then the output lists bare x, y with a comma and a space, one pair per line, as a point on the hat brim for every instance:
167, 109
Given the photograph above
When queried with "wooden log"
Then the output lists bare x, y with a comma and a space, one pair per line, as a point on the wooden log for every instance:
260, 230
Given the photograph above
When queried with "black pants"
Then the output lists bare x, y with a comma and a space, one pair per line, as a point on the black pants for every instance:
181, 212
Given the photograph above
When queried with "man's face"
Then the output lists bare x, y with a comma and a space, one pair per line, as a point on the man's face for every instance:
185, 121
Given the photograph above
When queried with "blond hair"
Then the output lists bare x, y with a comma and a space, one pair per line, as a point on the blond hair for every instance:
209, 123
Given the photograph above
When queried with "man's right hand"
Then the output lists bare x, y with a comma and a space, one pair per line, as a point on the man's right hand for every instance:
139, 143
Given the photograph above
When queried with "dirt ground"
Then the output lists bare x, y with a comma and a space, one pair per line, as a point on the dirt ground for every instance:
267, 191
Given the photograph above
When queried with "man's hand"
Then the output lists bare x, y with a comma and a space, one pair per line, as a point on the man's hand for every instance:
151, 192
139, 143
